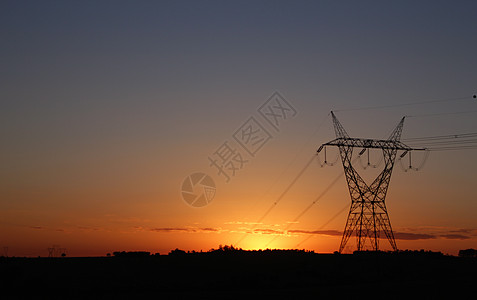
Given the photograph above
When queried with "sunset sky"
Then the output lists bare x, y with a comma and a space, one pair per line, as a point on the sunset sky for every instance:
108, 106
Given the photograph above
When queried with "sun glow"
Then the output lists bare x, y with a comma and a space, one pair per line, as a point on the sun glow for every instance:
262, 242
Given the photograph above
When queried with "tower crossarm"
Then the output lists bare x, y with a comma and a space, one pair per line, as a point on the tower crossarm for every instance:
368, 143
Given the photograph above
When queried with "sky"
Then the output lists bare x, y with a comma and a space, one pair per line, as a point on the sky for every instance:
107, 108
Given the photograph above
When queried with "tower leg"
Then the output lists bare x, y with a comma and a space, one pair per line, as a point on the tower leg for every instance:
367, 217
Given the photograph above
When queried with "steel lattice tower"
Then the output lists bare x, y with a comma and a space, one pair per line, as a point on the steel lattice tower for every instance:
368, 216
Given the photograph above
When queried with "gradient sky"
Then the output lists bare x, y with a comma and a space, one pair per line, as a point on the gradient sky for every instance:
107, 106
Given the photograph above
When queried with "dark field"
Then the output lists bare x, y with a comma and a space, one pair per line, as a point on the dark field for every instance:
242, 274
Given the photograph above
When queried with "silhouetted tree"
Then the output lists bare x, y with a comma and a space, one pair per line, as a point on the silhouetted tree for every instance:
131, 254
177, 251
468, 253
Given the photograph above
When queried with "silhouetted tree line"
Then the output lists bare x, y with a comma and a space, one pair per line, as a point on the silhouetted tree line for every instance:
228, 250
468, 253
421, 252
131, 254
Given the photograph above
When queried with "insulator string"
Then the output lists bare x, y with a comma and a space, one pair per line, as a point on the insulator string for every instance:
326, 162
410, 166
374, 166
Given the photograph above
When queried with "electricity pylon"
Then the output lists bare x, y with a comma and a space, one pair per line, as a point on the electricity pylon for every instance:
368, 216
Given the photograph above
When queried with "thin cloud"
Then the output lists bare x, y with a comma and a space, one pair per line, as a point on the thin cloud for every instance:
87, 228
462, 230
210, 229
435, 232
409, 236
267, 231
397, 235
455, 236
242, 223
172, 229
185, 229
56, 229
466, 231
319, 232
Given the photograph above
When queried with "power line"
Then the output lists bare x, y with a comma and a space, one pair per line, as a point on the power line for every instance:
452, 148
434, 143
325, 224
406, 104
438, 137
442, 114
285, 171
296, 156
274, 204
322, 194
461, 141
448, 143
442, 142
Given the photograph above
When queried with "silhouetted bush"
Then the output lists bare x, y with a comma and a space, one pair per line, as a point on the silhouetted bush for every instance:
468, 253
177, 252
131, 253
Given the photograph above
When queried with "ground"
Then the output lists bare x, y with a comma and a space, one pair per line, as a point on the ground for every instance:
241, 274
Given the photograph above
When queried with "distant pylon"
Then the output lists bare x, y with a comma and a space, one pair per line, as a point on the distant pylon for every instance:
368, 216
56, 251
51, 251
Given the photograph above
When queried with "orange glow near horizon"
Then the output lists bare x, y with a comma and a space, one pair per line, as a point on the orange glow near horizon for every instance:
121, 224
106, 112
